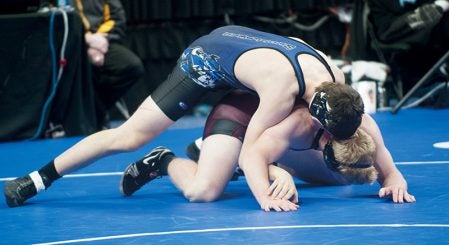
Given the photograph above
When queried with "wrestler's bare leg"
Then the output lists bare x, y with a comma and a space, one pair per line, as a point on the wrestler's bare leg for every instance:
144, 125
205, 181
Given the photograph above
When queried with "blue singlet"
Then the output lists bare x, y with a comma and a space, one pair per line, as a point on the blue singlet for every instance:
210, 60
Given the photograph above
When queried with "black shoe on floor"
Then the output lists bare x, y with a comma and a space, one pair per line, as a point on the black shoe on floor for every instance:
143, 171
18, 191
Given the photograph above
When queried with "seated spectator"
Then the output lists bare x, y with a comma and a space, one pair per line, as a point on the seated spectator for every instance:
115, 67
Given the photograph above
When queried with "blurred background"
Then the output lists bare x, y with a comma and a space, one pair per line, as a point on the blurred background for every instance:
157, 31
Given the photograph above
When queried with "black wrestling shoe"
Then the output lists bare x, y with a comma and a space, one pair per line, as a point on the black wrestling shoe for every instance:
237, 173
193, 152
18, 191
143, 171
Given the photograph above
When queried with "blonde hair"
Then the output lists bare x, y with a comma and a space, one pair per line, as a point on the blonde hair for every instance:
354, 152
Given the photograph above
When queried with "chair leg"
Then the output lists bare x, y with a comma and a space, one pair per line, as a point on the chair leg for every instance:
422, 81
397, 86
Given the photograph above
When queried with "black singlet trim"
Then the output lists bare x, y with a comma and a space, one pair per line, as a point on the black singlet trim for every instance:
316, 55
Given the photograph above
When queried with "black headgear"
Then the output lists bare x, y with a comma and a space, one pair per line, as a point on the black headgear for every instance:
319, 108
340, 128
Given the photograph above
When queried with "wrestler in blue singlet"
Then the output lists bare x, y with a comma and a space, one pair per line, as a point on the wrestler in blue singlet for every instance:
210, 60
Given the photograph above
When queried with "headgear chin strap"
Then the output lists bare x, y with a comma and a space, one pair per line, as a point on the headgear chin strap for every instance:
320, 109
333, 164
329, 157
315, 144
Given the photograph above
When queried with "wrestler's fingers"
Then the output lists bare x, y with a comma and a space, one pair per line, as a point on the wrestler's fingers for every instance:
401, 195
295, 198
288, 195
409, 198
385, 191
394, 194
272, 187
289, 206
283, 192
276, 191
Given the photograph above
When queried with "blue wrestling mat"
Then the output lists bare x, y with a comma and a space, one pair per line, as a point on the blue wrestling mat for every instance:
87, 206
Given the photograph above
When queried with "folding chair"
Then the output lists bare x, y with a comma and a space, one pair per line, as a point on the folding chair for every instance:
442, 66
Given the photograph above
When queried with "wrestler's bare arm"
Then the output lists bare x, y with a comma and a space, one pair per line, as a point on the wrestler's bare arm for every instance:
275, 82
254, 162
266, 150
383, 160
390, 178
273, 108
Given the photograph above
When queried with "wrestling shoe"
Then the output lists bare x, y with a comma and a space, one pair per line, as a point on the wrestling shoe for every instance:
193, 152
143, 171
19, 190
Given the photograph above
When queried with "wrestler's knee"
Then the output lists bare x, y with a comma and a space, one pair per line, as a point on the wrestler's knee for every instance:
204, 192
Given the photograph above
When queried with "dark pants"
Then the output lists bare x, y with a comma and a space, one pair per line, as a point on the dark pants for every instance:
121, 69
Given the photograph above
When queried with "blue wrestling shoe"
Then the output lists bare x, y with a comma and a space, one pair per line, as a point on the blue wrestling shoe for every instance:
143, 171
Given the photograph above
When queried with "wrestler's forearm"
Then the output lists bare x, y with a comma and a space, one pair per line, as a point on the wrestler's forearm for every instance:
256, 174
252, 134
385, 166
274, 172
265, 117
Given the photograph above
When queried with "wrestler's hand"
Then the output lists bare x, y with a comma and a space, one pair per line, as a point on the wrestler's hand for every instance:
397, 190
283, 187
278, 205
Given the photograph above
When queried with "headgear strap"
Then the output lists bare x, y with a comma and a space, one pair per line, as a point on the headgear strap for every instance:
315, 142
